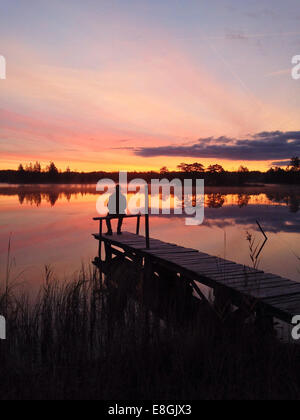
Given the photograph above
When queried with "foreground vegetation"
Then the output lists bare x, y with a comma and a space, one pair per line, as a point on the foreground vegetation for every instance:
82, 340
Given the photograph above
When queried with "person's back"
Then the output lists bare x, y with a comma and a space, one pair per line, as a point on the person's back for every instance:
117, 205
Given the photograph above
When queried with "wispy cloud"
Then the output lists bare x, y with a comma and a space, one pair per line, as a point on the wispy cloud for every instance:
236, 35
281, 163
280, 72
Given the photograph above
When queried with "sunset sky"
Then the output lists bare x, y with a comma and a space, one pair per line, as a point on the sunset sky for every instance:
140, 84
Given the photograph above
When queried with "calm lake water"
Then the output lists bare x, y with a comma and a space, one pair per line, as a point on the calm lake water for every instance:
53, 224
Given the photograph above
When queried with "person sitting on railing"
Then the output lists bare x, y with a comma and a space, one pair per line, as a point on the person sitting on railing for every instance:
117, 205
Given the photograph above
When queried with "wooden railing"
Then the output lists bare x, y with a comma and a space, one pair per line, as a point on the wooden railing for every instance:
125, 216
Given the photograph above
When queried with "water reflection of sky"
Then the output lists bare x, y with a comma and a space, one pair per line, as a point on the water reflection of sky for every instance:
53, 226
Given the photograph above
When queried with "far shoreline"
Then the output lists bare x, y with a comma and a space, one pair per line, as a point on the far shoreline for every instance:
91, 187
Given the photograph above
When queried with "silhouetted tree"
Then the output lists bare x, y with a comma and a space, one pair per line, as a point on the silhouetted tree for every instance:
52, 169
197, 167
295, 164
215, 169
29, 168
37, 167
184, 167
164, 170
191, 167
243, 175
52, 173
242, 169
21, 169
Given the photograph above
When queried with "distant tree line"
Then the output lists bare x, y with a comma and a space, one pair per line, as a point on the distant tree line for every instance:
214, 174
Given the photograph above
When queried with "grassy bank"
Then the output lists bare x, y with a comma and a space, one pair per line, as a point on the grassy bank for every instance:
79, 340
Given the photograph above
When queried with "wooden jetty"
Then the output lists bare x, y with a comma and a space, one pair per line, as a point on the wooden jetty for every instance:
268, 296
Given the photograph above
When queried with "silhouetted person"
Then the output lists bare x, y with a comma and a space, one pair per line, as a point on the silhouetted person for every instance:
117, 205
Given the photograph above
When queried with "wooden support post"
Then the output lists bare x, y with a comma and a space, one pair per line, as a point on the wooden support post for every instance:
107, 264
222, 303
138, 262
264, 321
147, 275
108, 253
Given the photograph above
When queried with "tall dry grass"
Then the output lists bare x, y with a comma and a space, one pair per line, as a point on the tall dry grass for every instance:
83, 340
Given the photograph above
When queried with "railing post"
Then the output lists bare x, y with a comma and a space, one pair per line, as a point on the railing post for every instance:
147, 231
101, 228
138, 222
100, 238
147, 210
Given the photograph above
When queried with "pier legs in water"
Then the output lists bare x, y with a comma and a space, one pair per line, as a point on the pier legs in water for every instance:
163, 290
264, 321
222, 303
243, 311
